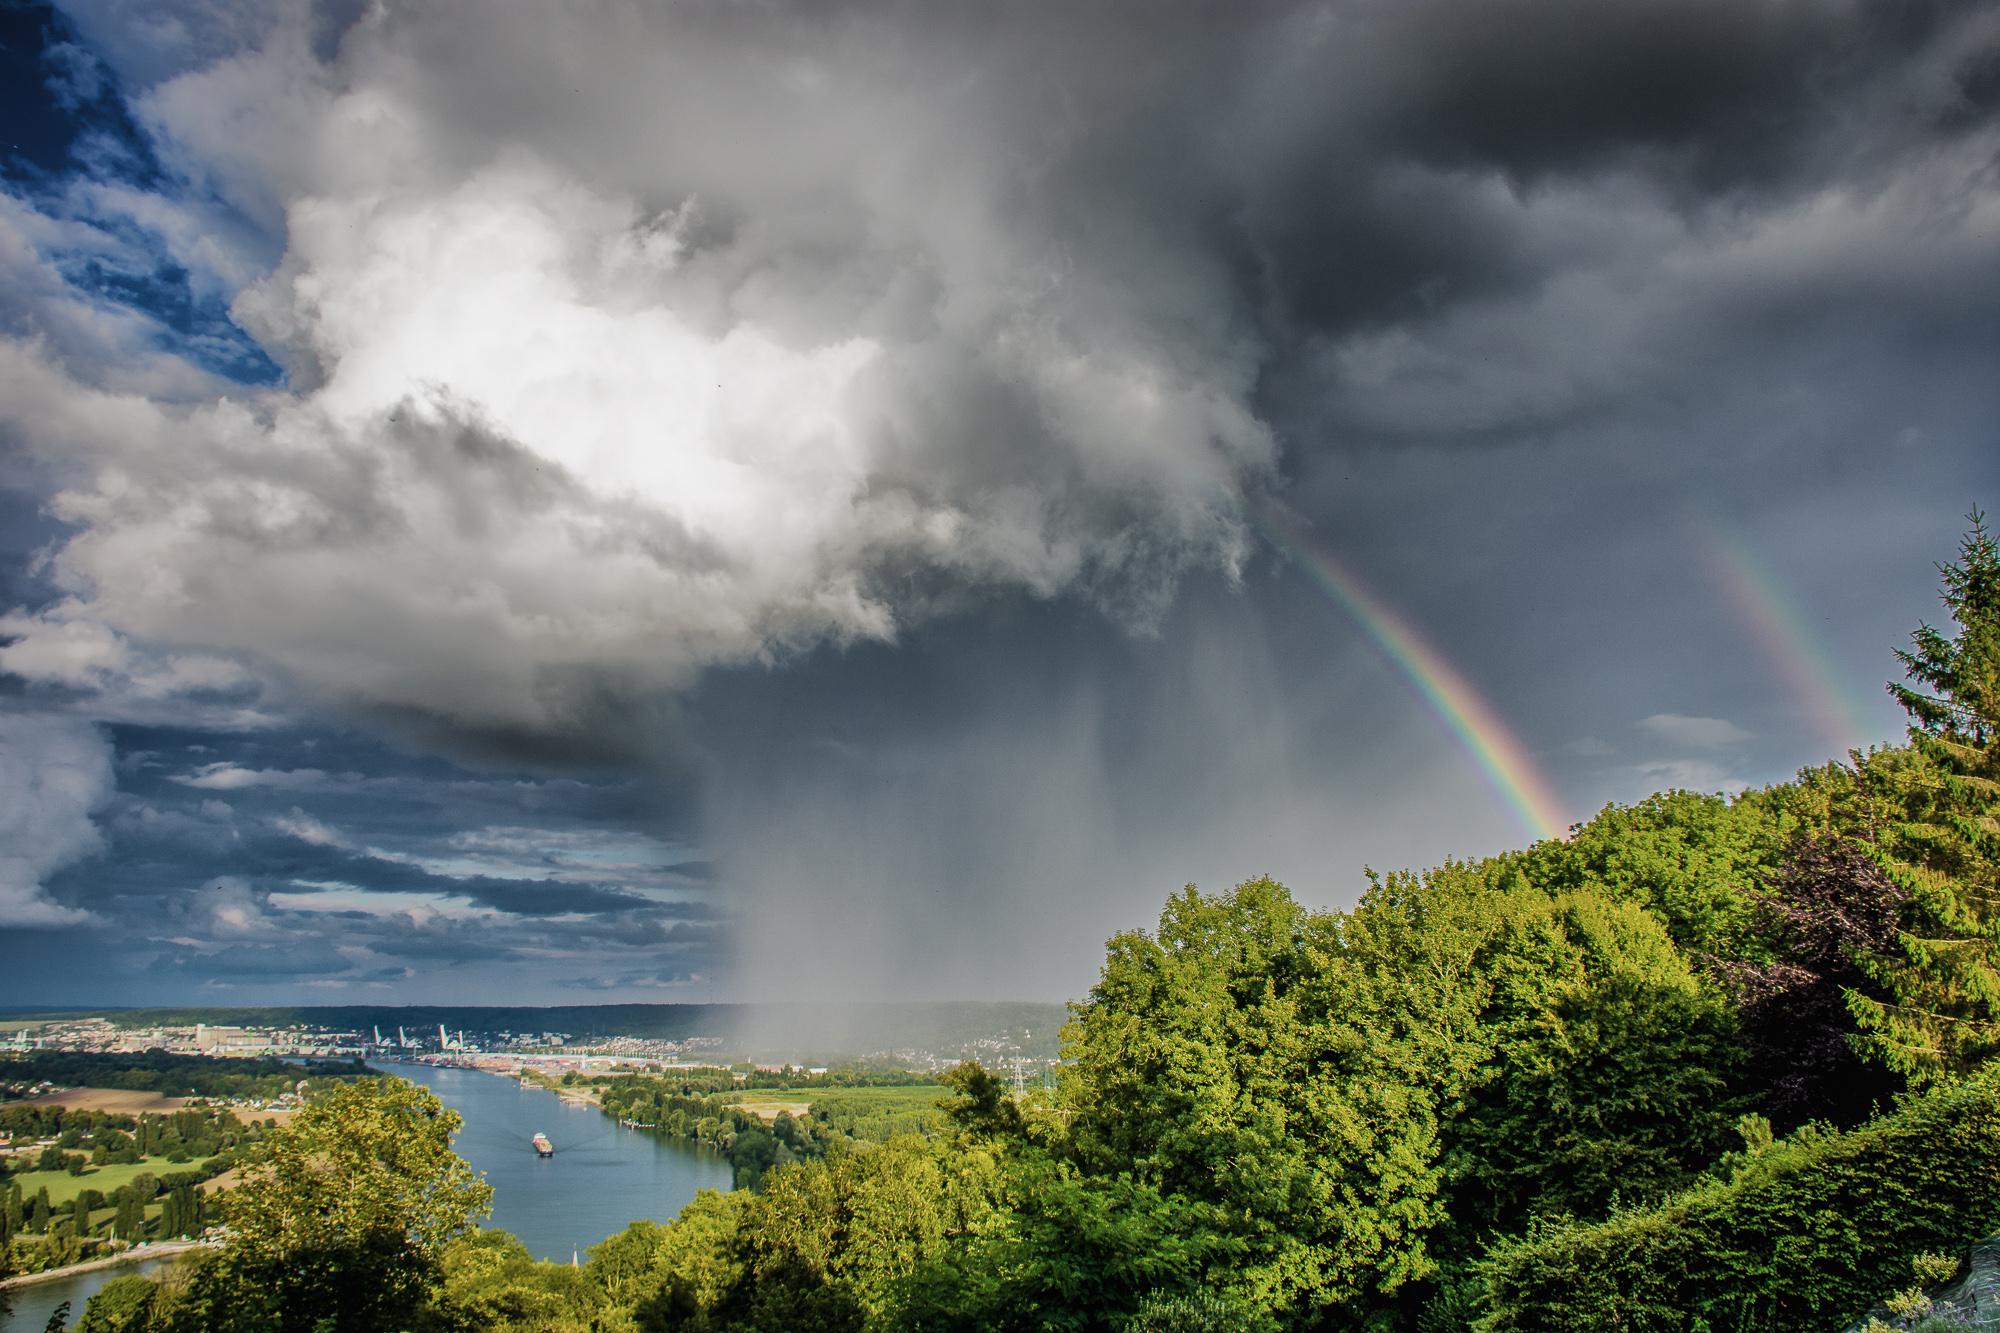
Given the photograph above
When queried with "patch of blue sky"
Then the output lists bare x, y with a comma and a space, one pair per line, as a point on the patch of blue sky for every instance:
76, 155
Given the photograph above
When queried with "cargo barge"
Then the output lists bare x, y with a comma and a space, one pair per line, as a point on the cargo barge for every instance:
543, 1146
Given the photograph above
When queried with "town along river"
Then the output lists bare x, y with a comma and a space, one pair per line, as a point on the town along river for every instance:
601, 1179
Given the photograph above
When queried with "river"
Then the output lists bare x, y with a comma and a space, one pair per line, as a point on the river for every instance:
35, 1302
601, 1179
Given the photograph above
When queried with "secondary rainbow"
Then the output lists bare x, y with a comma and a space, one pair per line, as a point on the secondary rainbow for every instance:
1473, 725
1773, 617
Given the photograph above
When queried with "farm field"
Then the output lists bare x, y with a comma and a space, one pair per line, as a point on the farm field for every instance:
861, 1103
121, 1101
63, 1186
882, 1101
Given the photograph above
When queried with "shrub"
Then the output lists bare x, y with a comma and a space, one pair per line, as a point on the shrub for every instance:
1203, 1312
1798, 1239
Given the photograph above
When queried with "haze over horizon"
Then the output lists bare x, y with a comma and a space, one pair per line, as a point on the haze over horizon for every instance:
708, 501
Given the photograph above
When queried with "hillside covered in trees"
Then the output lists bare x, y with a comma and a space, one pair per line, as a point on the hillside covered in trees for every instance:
1708, 1064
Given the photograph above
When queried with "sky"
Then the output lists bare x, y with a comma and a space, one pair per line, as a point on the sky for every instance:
730, 500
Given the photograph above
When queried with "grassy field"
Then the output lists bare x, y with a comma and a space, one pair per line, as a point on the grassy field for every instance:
99, 1216
873, 1101
62, 1185
877, 1115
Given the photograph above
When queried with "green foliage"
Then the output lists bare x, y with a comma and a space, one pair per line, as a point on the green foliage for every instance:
982, 1106
1236, 1060
491, 1284
124, 1305
181, 1214
1362, 1095
1932, 1269
694, 1262
851, 1076
1067, 1253
1802, 1236
873, 1115
826, 1246
349, 1218
1691, 860
1942, 841
1611, 1075
1204, 1312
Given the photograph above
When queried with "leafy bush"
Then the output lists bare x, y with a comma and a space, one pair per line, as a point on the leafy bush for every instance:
1798, 1239
1204, 1312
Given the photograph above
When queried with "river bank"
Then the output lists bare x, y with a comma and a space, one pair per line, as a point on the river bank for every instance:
136, 1255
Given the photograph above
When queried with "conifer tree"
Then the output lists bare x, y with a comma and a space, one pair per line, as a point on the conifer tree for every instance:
16, 1211
40, 1221
181, 1214
130, 1223
1942, 1016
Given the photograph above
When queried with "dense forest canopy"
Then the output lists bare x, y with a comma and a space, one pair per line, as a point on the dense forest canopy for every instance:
169, 1074
1612, 1081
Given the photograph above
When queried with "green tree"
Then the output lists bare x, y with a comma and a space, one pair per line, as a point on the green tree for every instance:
1242, 1058
1067, 1252
1363, 1095
491, 1283
130, 1224
181, 1216
347, 1220
62, 1245
826, 1247
695, 1264
1692, 860
982, 1106
1942, 844
124, 1305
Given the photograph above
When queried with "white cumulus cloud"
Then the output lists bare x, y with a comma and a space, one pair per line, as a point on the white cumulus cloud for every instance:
560, 434
54, 774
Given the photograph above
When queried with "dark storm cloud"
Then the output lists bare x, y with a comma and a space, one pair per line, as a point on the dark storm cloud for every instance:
840, 388
1049, 276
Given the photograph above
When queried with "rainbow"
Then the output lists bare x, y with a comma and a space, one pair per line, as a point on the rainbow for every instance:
1472, 724
1780, 627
